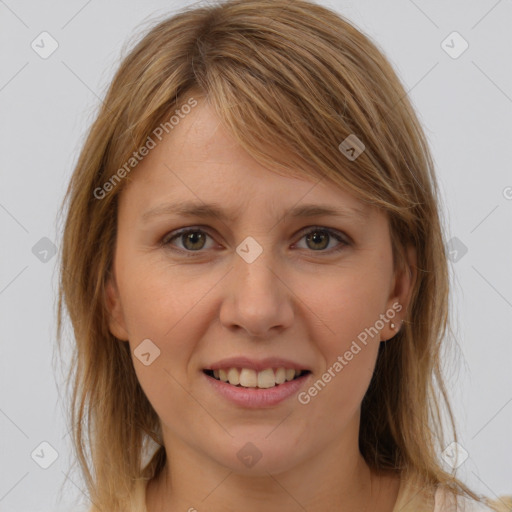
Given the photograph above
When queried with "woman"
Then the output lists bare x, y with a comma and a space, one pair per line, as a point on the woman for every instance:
253, 263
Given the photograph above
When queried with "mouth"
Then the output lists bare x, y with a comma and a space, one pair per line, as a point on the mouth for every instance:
249, 378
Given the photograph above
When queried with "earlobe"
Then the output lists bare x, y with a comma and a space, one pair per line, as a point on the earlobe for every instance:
399, 300
116, 321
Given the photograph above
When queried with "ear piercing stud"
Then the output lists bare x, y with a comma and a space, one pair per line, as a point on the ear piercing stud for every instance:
393, 326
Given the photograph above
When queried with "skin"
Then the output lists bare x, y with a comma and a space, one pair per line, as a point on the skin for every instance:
297, 300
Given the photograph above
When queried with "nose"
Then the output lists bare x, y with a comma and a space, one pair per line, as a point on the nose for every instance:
257, 297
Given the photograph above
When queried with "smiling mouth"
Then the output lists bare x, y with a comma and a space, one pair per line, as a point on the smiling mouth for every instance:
248, 378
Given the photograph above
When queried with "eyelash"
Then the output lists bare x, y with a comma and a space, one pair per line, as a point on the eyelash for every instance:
167, 239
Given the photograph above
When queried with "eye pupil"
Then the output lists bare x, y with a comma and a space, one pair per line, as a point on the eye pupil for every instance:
193, 237
317, 237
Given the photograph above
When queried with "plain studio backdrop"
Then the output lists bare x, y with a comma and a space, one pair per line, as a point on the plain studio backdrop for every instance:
454, 60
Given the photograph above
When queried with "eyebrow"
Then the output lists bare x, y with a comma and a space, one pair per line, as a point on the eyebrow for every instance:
203, 210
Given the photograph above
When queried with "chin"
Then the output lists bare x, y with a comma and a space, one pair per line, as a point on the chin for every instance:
256, 456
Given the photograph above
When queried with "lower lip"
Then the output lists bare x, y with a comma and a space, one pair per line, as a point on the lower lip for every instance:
256, 397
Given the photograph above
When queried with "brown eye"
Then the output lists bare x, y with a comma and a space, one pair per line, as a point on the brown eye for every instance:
191, 239
318, 239
194, 238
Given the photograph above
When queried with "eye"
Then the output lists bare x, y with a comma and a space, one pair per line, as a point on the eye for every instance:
318, 238
193, 240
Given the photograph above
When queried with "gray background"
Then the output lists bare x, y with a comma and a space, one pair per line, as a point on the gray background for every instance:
464, 103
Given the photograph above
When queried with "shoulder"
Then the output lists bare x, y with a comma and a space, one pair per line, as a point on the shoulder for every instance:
446, 501
415, 496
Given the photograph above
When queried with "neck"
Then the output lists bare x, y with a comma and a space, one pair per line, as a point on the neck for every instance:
336, 478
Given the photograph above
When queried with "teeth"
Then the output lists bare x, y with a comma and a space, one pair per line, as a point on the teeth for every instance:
249, 378
290, 374
280, 375
233, 376
267, 379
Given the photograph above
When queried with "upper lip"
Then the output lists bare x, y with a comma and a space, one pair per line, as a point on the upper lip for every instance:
256, 364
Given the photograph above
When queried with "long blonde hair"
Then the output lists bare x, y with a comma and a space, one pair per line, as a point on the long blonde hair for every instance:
279, 74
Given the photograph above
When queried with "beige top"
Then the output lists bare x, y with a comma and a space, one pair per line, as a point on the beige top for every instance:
411, 498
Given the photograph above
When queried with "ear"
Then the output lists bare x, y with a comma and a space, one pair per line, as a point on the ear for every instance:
116, 322
398, 302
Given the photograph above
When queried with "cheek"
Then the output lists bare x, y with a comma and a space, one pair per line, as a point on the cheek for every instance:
163, 307
335, 397
159, 302
349, 305
349, 355
348, 337
170, 309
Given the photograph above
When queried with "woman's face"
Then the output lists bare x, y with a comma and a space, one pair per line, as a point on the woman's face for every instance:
270, 282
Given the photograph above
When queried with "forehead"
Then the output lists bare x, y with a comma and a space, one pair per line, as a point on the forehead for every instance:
199, 163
